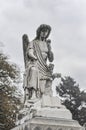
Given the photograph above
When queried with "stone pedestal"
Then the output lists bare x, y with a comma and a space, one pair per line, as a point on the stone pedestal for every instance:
47, 114
43, 123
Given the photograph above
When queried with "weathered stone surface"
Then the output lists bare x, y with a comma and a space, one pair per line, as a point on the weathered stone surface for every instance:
47, 106
51, 107
41, 123
54, 112
50, 101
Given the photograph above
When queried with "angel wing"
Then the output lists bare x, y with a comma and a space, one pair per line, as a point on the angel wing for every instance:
25, 42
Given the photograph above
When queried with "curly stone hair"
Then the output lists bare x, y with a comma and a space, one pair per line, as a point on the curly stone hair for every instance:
42, 27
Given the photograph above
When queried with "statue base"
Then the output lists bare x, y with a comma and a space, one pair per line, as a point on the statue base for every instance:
45, 123
46, 114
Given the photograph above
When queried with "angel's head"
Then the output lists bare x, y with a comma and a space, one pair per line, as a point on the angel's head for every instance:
43, 31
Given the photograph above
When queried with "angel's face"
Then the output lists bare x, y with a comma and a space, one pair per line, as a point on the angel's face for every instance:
44, 33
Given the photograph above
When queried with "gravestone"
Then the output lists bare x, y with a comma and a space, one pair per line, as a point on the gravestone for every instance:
41, 110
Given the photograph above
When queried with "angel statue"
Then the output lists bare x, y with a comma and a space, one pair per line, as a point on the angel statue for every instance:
38, 74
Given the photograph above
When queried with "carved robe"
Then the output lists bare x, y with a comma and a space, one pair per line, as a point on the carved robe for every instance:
37, 71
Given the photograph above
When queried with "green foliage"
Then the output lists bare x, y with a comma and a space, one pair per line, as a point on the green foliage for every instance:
73, 98
9, 94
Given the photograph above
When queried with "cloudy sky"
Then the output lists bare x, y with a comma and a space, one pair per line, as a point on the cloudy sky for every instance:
68, 21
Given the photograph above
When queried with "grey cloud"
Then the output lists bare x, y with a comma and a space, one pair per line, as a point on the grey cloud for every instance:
43, 4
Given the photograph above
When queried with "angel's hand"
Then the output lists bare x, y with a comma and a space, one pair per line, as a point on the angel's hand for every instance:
33, 57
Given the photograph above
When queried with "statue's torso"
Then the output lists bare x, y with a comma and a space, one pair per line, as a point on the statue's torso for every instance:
43, 46
44, 49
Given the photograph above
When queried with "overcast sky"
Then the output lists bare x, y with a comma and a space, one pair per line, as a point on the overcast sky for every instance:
68, 21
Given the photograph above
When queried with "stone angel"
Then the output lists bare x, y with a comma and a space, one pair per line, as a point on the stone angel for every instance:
38, 73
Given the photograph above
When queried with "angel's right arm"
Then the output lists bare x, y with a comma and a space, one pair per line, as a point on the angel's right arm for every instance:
30, 51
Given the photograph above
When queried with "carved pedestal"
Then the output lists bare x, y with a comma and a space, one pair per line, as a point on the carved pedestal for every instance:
42, 123
49, 115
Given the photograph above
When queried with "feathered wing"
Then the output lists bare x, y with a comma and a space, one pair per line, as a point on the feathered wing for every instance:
25, 42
